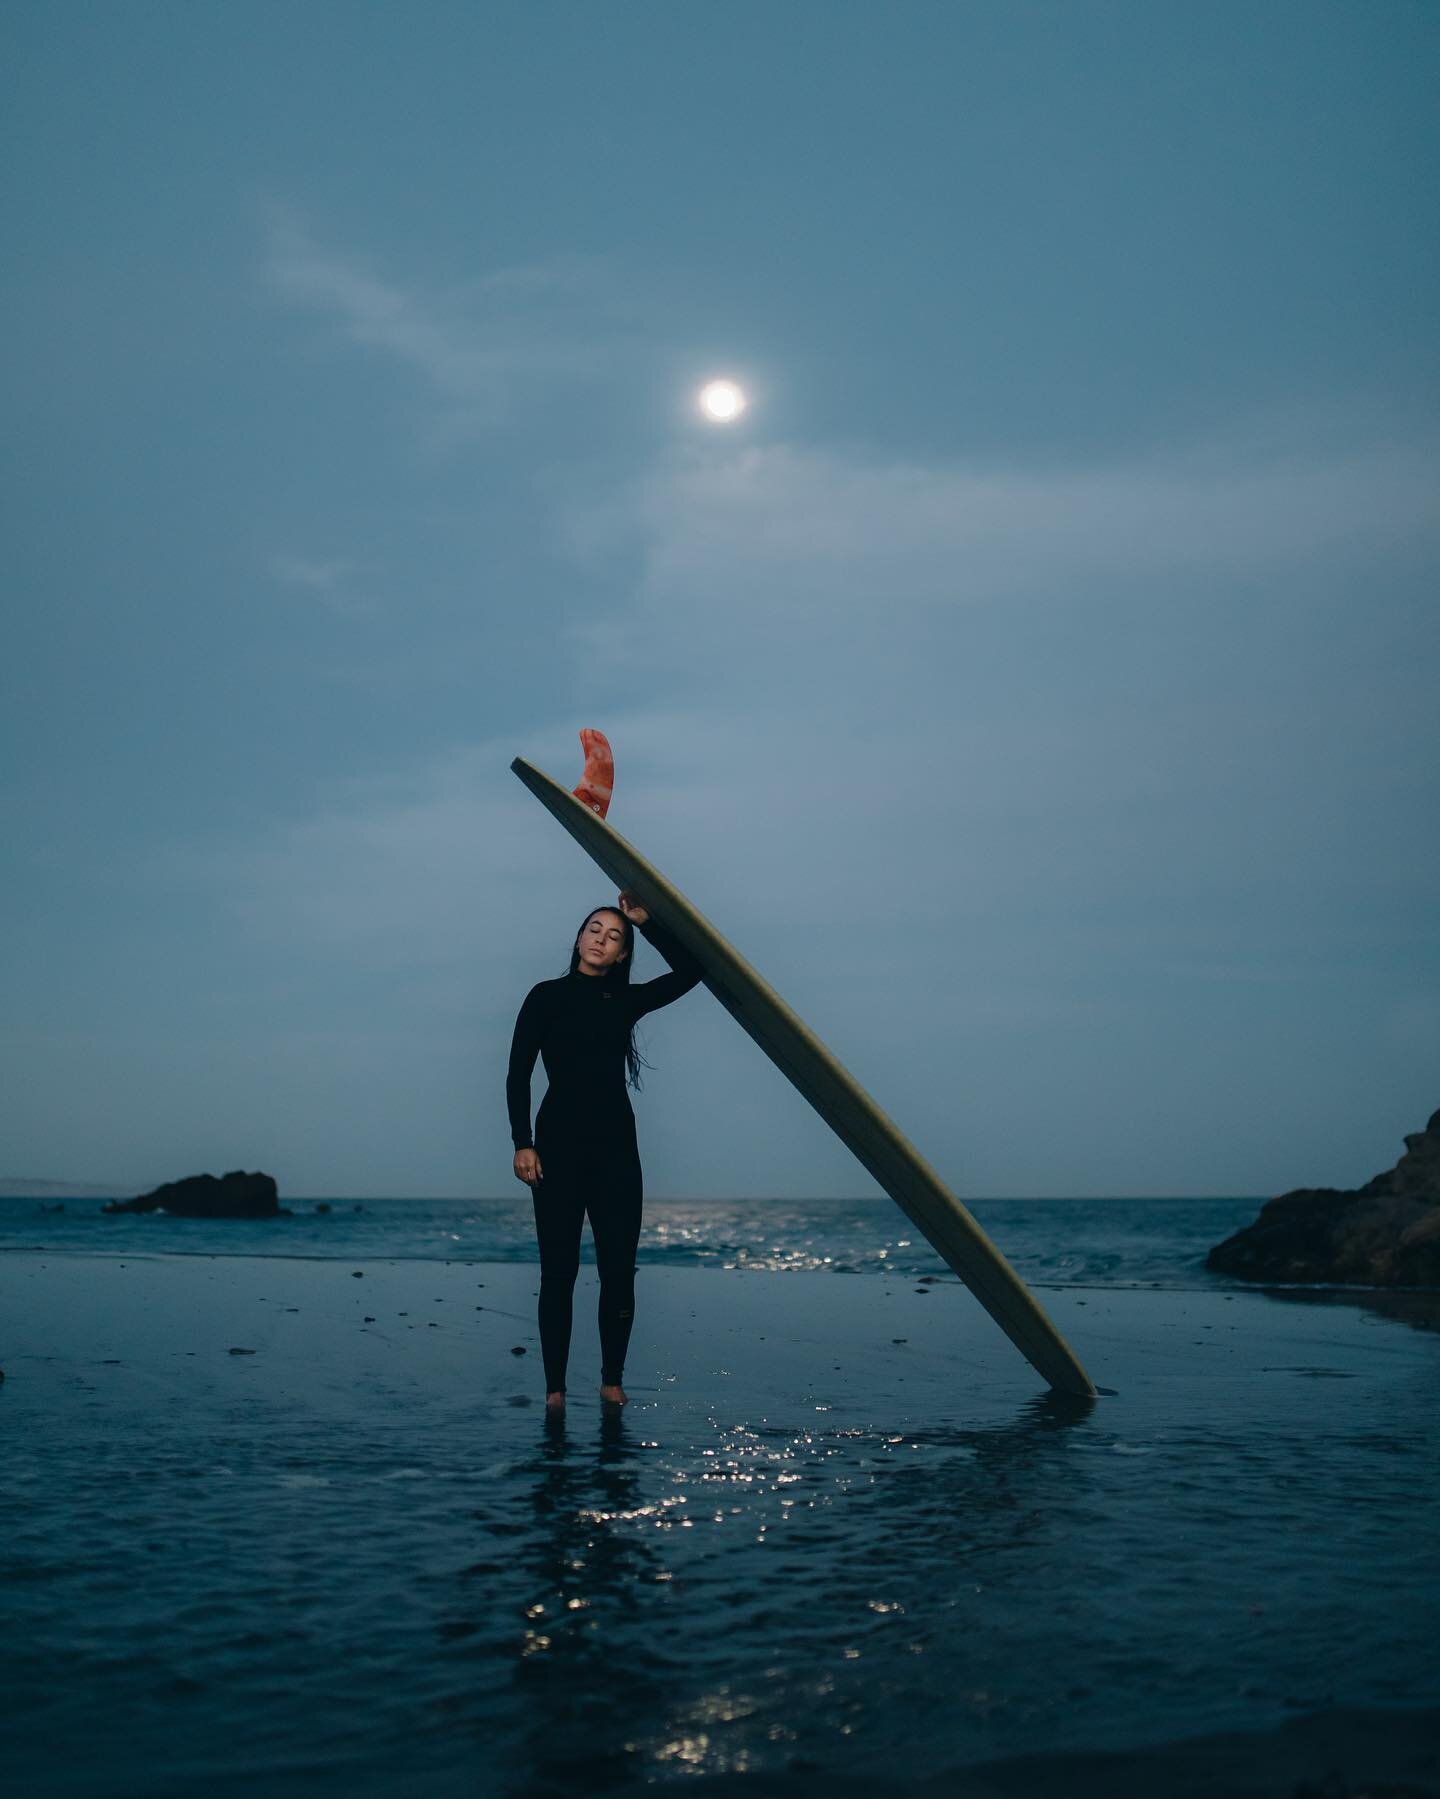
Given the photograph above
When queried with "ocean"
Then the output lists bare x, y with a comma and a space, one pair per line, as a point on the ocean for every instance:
1127, 1242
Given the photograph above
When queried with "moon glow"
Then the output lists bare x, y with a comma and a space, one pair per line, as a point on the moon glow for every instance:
722, 401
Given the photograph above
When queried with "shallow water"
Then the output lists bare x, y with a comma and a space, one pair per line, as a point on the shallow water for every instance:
837, 1527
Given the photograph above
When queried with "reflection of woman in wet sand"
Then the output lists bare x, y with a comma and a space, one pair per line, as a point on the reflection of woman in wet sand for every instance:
584, 1155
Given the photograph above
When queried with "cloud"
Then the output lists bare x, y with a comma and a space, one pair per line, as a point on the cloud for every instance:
1011, 681
806, 535
819, 648
1046, 692
298, 571
472, 343
329, 582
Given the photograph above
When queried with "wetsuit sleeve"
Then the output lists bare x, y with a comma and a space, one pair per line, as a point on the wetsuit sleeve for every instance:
684, 974
524, 1047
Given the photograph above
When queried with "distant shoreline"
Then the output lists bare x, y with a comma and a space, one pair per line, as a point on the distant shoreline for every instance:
77, 1190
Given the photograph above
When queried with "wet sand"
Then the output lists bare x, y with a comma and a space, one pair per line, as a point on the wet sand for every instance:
1334, 1755
306, 1526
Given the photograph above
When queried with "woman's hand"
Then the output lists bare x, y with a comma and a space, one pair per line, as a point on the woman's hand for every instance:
527, 1167
632, 909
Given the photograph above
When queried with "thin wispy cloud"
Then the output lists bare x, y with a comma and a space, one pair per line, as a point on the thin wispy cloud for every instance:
330, 583
829, 594
820, 524
301, 571
473, 343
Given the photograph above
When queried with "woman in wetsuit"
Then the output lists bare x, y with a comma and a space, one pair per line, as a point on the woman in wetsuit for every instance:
584, 1155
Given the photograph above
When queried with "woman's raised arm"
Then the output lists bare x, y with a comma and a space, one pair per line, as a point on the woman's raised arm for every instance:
647, 996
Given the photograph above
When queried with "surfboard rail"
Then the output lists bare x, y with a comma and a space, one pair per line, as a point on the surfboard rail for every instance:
873, 1138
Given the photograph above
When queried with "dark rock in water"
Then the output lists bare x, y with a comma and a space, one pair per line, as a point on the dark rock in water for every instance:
237, 1195
1384, 1234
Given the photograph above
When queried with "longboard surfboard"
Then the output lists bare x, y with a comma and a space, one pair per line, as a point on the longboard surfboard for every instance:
877, 1143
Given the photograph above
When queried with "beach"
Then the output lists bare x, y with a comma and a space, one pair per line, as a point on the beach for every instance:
304, 1525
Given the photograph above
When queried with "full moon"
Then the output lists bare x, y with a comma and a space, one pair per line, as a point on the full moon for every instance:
722, 401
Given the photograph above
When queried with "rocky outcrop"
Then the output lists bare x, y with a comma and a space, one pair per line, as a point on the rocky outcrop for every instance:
1384, 1234
236, 1195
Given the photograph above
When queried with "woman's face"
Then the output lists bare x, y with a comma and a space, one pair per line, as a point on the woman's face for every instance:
601, 941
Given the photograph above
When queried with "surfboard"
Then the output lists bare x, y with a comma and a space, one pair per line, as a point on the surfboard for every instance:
876, 1142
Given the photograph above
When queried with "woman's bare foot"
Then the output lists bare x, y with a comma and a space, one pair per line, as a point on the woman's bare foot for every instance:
615, 1395
556, 1400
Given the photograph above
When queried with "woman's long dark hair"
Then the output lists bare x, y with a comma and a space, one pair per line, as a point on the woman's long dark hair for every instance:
618, 974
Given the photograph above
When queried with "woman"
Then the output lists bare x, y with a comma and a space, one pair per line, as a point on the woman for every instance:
584, 1156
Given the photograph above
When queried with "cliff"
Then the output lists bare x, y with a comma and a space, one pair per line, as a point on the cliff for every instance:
1384, 1234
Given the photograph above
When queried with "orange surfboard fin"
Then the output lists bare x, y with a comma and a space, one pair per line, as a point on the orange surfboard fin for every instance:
597, 783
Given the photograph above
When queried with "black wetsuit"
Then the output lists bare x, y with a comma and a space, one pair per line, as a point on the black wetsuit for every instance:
585, 1139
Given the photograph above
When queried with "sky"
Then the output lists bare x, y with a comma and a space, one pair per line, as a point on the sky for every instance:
1037, 684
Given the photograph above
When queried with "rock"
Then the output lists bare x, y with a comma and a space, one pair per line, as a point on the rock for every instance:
237, 1195
1417, 1174
1384, 1234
